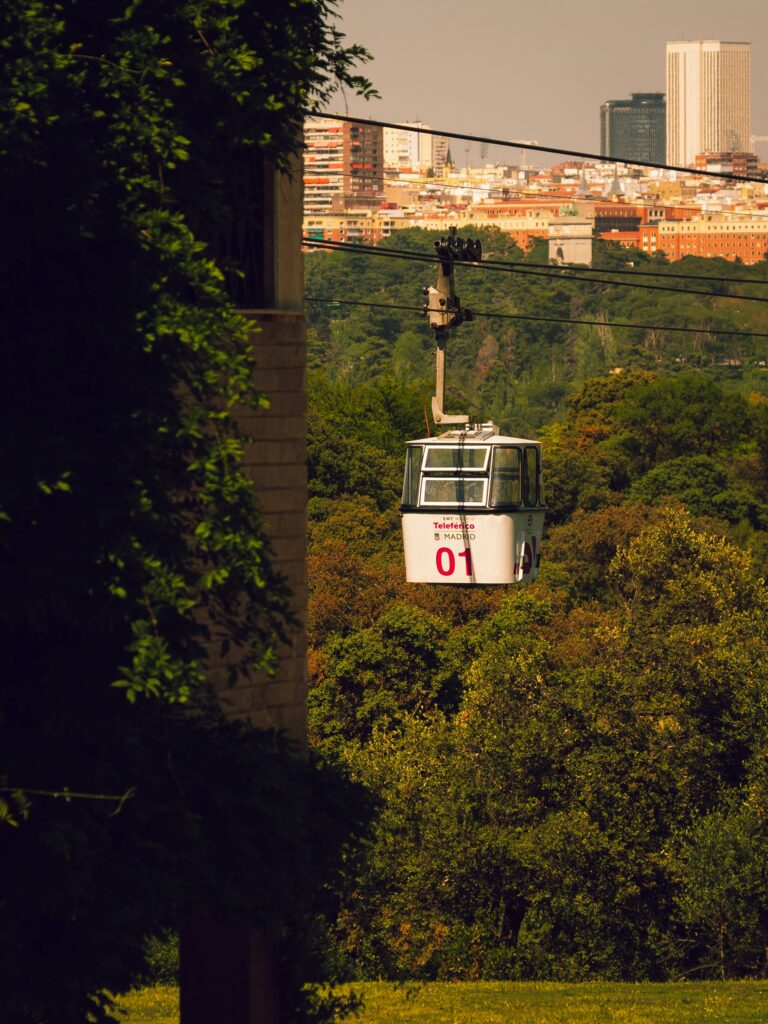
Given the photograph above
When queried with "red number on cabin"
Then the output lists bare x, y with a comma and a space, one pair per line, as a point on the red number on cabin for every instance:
451, 562
445, 555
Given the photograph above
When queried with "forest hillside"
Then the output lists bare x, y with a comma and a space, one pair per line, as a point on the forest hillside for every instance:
571, 775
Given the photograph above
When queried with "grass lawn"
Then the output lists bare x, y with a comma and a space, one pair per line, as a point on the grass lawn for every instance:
502, 1002
158, 1004
549, 1003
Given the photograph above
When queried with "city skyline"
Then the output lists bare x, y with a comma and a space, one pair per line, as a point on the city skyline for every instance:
538, 72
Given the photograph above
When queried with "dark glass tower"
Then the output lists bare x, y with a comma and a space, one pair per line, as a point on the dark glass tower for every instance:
635, 129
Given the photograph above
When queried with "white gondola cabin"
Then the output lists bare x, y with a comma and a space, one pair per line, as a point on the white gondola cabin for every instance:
472, 508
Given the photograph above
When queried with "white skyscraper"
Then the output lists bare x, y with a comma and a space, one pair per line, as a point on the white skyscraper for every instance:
708, 105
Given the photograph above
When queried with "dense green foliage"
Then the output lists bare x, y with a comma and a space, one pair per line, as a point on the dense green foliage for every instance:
132, 548
571, 773
123, 355
521, 372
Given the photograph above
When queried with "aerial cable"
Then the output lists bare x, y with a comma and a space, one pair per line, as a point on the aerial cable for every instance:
724, 175
549, 270
541, 319
355, 246
522, 269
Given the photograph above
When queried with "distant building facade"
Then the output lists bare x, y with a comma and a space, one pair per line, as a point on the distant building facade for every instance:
343, 165
635, 129
728, 163
417, 151
728, 237
708, 99
368, 226
406, 149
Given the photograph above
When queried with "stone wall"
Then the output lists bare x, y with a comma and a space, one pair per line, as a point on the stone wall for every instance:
276, 463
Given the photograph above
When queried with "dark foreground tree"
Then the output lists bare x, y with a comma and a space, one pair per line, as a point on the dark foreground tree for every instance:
130, 541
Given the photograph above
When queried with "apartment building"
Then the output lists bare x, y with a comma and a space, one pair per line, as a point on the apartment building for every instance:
368, 226
728, 163
343, 165
729, 237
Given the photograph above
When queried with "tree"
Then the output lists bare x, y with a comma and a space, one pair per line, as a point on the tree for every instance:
687, 415
375, 676
587, 544
703, 487
723, 897
131, 542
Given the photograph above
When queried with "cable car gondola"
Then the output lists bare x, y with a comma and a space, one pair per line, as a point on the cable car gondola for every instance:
472, 508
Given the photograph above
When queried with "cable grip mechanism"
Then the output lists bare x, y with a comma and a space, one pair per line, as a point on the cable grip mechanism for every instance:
444, 311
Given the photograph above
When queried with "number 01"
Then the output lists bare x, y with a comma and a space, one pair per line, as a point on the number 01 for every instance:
446, 561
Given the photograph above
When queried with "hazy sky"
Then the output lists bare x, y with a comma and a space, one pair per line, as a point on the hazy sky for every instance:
537, 69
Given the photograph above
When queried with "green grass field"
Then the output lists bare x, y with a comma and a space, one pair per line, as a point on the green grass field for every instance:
156, 1005
744, 1002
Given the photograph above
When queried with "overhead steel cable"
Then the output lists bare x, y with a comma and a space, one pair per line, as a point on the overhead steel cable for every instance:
576, 267
535, 147
553, 273
540, 319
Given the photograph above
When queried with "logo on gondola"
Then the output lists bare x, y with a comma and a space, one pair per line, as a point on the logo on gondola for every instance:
525, 564
437, 536
527, 558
